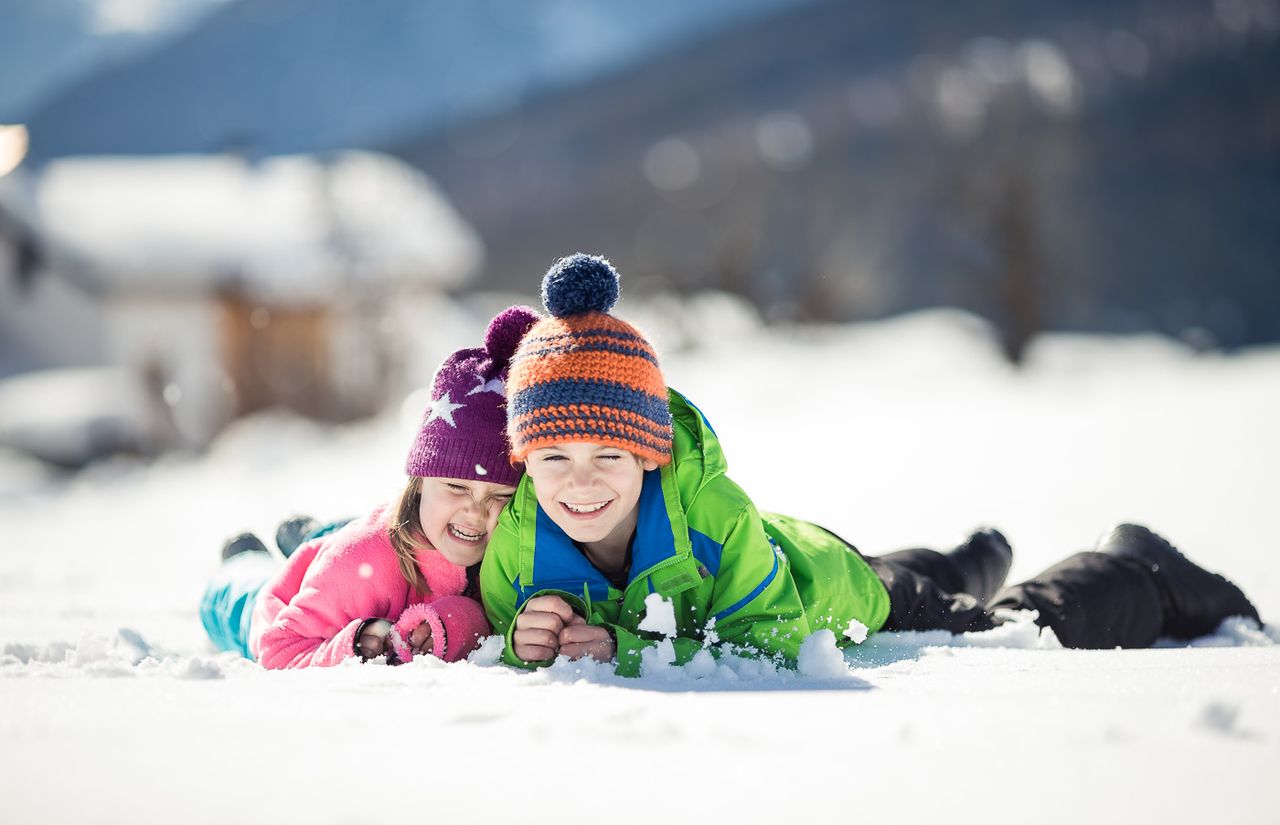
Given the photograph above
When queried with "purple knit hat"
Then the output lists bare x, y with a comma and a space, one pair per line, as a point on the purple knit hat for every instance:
464, 428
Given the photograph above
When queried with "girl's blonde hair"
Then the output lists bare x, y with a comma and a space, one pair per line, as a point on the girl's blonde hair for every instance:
406, 535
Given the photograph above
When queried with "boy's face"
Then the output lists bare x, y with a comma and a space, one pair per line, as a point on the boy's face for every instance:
458, 516
589, 490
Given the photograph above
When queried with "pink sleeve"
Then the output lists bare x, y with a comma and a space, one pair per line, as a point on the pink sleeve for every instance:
283, 647
457, 625
343, 586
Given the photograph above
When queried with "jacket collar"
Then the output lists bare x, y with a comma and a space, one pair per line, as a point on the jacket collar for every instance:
550, 559
443, 577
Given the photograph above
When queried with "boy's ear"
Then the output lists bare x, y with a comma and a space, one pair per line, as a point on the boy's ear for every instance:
648, 464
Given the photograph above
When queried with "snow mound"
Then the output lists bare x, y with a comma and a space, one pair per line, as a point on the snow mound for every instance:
489, 652
820, 658
1236, 631
1019, 631
126, 654
822, 666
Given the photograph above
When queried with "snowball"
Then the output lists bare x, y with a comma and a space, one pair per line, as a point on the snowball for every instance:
365, 570
659, 616
856, 632
819, 656
481, 471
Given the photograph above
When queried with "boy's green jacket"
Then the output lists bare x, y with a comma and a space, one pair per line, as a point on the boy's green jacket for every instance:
759, 582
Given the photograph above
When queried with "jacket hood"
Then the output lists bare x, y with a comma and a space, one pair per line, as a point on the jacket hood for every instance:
696, 453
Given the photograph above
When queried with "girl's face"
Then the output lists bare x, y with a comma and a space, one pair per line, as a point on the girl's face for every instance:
590, 490
457, 516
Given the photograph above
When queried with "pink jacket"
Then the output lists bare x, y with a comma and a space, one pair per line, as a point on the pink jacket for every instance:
309, 613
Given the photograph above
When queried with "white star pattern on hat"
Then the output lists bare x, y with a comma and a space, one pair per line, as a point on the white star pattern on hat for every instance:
442, 408
492, 385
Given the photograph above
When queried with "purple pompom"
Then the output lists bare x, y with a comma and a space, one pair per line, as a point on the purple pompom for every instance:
505, 331
580, 283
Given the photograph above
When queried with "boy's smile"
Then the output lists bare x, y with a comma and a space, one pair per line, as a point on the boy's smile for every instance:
585, 511
590, 490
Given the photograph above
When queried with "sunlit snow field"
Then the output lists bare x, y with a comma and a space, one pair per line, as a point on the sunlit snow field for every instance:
902, 433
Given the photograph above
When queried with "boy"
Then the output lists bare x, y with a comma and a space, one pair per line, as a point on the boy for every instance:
625, 495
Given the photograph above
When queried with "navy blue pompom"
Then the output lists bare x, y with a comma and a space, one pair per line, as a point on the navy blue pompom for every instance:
580, 283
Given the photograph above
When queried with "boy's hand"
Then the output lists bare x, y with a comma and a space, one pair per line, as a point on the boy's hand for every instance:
420, 640
579, 639
537, 634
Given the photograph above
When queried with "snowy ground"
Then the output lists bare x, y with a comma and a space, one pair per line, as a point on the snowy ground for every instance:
902, 433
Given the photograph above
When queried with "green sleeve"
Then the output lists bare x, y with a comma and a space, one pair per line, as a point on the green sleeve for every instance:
498, 573
755, 603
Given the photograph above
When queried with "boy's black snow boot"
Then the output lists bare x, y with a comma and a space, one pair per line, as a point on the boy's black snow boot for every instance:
243, 543
1195, 601
982, 562
294, 532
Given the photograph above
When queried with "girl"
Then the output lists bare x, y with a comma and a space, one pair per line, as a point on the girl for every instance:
626, 495
401, 581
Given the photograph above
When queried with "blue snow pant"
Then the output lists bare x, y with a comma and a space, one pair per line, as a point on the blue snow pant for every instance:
227, 605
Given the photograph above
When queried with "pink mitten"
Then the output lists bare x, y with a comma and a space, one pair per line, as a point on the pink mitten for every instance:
414, 615
457, 625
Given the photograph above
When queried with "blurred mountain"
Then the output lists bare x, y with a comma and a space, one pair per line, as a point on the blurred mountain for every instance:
274, 76
48, 44
1105, 165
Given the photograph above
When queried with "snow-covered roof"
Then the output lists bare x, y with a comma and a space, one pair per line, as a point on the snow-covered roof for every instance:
294, 227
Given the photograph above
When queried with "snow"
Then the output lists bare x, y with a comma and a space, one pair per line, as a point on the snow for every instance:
820, 658
903, 433
659, 616
856, 632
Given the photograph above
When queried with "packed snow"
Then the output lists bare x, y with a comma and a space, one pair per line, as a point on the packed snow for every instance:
908, 432
659, 615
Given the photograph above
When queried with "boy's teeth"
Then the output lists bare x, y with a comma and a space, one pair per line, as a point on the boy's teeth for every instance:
585, 508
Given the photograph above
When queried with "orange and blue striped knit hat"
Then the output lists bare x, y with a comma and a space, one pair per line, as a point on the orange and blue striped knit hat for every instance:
583, 375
